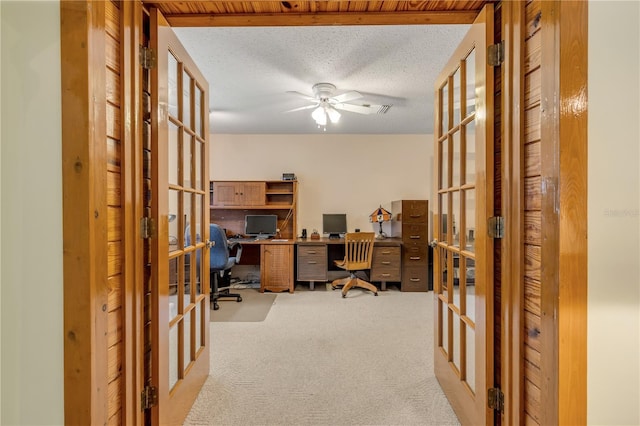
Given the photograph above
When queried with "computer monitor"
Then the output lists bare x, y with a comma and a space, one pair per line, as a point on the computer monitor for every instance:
334, 224
261, 225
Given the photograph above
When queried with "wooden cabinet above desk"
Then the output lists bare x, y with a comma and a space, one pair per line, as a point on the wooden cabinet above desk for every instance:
231, 201
227, 194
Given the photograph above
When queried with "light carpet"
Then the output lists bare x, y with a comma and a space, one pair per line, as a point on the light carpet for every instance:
319, 359
255, 306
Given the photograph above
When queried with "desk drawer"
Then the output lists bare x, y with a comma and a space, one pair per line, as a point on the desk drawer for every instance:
385, 264
415, 254
414, 233
415, 278
312, 263
414, 211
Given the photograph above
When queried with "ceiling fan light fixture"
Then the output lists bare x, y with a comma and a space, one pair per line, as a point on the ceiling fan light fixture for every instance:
333, 114
319, 116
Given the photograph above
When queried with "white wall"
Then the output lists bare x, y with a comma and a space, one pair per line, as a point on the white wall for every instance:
350, 174
31, 264
613, 355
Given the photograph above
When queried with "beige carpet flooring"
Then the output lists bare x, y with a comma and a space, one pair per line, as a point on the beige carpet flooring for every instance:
319, 359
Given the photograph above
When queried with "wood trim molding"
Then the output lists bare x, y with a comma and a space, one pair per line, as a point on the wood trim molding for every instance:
572, 297
513, 23
319, 19
564, 212
131, 167
82, 37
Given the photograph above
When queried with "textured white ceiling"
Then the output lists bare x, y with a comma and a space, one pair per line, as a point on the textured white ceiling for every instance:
251, 69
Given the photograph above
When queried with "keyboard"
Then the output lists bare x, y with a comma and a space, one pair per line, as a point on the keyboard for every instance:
242, 239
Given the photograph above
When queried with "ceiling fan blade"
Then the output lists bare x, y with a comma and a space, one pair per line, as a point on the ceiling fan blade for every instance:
302, 108
360, 109
302, 95
348, 96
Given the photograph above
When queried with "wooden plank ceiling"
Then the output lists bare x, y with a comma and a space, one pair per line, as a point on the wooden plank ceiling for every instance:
232, 13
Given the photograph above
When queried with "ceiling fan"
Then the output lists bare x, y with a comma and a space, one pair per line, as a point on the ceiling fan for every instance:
326, 105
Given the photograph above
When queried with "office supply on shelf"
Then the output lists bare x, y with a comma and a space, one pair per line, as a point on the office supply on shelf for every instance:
358, 247
220, 265
288, 176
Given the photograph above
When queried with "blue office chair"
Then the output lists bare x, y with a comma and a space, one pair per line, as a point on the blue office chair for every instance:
221, 262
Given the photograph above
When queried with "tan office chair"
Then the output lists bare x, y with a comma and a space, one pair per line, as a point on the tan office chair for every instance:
358, 251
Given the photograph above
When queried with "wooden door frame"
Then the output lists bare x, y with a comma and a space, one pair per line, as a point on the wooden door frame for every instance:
564, 211
564, 168
84, 157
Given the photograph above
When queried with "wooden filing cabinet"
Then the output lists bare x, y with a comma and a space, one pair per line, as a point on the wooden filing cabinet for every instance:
276, 267
411, 223
386, 264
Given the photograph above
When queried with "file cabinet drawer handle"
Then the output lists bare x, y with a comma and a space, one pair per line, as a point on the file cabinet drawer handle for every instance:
415, 237
311, 252
415, 215
385, 275
414, 279
415, 258
386, 252
312, 262
386, 262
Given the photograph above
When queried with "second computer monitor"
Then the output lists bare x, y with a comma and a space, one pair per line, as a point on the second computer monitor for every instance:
334, 224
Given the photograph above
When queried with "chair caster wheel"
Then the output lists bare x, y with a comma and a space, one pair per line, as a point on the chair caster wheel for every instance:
344, 295
332, 288
216, 306
375, 294
239, 299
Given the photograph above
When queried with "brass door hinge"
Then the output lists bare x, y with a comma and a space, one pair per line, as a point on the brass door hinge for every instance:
495, 399
496, 227
146, 227
148, 397
147, 57
495, 54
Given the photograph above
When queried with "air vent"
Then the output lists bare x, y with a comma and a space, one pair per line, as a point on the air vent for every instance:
383, 109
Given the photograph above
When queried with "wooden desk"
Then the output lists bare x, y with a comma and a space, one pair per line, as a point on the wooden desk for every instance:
315, 258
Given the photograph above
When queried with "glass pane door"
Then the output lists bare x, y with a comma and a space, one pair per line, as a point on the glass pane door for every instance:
460, 294
180, 120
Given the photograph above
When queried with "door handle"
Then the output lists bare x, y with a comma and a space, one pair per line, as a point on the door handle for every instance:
210, 243
434, 243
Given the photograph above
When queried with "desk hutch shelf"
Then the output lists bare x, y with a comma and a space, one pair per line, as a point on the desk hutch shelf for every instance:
230, 201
